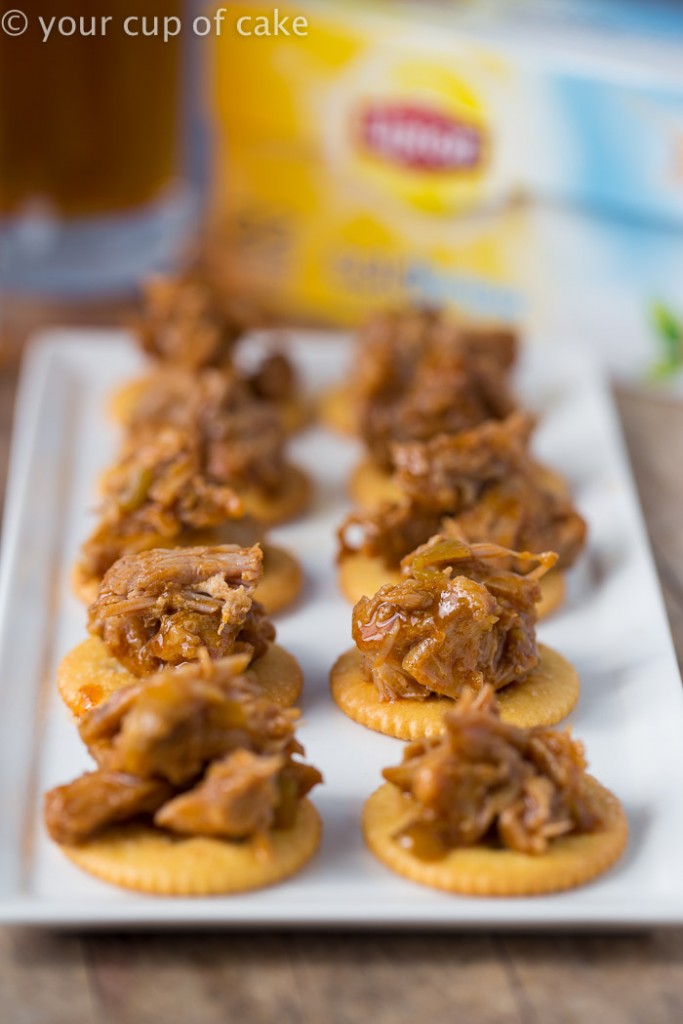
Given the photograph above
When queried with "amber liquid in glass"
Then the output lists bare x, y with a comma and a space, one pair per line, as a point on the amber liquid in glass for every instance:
88, 125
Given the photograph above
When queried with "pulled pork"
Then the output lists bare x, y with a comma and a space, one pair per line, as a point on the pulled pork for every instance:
464, 615
198, 750
171, 605
420, 372
449, 470
183, 323
92, 802
275, 379
159, 489
188, 325
241, 795
240, 439
486, 781
481, 485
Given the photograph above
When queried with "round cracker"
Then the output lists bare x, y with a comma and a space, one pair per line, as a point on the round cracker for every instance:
292, 499
244, 532
280, 585
89, 675
545, 697
295, 413
86, 588
552, 480
155, 861
482, 870
282, 580
362, 576
336, 410
123, 401
553, 592
370, 486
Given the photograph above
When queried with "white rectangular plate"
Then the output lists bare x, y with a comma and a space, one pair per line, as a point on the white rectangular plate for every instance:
613, 629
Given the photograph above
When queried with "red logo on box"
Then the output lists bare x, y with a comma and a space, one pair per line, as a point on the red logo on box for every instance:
420, 138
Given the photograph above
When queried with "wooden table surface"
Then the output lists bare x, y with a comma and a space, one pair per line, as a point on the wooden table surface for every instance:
382, 978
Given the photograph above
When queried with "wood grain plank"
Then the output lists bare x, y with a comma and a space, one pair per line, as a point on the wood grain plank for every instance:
304, 979
44, 979
245, 978
654, 436
611, 979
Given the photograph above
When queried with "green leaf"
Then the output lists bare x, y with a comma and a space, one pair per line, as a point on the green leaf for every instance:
669, 329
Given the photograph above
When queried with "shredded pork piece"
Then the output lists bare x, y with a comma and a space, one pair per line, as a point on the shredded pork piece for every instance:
483, 780
480, 485
389, 532
236, 799
98, 799
420, 372
463, 615
242, 795
171, 605
240, 439
448, 471
158, 490
188, 325
180, 720
275, 380
183, 323
198, 748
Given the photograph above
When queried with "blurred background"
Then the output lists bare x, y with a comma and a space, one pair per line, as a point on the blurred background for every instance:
518, 160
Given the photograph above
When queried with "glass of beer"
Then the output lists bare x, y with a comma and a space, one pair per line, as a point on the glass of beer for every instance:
93, 188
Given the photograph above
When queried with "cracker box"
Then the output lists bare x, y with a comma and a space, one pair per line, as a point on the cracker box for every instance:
410, 151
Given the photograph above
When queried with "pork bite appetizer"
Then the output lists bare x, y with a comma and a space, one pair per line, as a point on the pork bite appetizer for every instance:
479, 485
417, 372
168, 489
462, 617
161, 608
197, 787
187, 325
491, 809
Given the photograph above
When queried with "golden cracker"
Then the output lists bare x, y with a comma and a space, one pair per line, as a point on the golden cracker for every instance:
487, 871
233, 531
280, 584
155, 861
552, 480
370, 486
336, 410
553, 592
282, 580
279, 676
123, 401
545, 697
362, 576
86, 588
88, 675
293, 499
295, 413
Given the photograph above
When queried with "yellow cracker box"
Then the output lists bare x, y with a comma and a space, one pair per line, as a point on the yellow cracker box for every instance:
504, 157
355, 166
